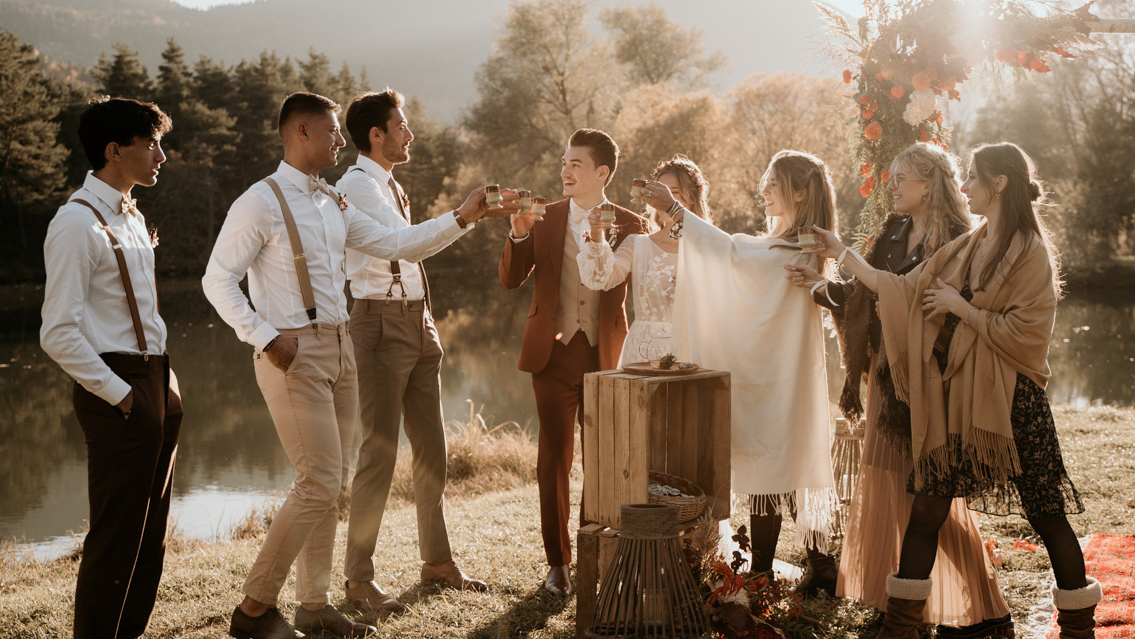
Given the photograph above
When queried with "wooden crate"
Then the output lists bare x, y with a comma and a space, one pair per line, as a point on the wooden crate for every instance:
634, 424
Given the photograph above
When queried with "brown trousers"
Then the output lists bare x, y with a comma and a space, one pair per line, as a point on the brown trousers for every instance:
398, 355
129, 484
559, 402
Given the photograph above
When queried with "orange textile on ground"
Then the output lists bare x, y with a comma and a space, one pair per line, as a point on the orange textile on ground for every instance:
1111, 559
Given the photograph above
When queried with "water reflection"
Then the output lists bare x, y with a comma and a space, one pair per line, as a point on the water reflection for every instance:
230, 458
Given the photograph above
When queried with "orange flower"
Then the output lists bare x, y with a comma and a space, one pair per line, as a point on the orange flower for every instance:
1022, 58
865, 190
847, 76
863, 99
938, 119
1036, 64
867, 114
865, 169
887, 73
954, 94
923, 136
897, 92
920, 81
873, 131
885, 177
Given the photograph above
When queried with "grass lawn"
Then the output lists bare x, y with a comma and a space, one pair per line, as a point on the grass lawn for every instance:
494, 528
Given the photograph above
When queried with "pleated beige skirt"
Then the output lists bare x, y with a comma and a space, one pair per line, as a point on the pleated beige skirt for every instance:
965, 588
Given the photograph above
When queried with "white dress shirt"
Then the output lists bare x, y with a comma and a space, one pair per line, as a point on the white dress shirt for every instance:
366, 185
254, 241
84, 308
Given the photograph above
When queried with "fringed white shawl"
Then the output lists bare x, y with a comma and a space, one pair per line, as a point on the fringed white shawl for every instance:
735, 310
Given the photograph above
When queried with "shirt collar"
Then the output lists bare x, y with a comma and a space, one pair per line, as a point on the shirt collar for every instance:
373, 169
295, 176
110, 196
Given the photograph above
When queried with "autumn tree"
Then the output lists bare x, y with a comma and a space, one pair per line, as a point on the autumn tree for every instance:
655, 49
548, 77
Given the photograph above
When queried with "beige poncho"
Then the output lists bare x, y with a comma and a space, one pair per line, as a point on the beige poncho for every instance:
736, 310
1008, 334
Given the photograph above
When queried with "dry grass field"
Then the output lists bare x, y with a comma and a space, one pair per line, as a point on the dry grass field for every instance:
494, 526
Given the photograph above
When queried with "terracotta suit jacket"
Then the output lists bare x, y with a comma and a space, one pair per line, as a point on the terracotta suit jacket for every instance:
543, 253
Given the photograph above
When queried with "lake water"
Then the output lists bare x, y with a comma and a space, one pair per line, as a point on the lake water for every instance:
230, 459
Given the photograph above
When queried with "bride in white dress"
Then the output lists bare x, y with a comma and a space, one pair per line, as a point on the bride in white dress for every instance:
650, 261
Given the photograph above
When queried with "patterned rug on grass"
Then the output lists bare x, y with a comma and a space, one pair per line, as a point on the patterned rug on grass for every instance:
1111, 559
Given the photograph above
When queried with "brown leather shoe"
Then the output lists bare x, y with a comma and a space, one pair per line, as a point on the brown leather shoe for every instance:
558, 581
328, 619
368, 596
269, 625
449, 574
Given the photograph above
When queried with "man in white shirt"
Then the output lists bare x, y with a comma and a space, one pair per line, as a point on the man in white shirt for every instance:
101, 325
289, 234
398, 355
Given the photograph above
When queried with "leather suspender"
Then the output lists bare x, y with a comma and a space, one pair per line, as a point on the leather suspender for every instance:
395, 268
131, 301
297, 251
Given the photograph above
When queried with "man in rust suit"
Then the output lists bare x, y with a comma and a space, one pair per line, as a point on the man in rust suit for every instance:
571, 329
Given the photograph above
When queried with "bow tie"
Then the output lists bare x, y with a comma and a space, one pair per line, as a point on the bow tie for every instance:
129, 206
319, 184
578, 214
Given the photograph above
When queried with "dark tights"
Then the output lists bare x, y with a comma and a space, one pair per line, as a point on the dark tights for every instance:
920, 543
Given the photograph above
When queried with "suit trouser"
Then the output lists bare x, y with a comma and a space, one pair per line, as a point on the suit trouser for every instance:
313, 407
398, 355
129, 483
559, 402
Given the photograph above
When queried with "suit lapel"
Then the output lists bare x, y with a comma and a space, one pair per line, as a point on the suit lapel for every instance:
555, 221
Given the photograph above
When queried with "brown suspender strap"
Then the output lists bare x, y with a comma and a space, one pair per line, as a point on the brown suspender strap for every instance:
297, 251
131, 301
395, 269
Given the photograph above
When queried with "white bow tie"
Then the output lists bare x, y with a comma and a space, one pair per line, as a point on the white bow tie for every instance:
319, 184
578, 214
129, 206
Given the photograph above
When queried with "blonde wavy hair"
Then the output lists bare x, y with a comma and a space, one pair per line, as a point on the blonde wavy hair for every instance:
945, 205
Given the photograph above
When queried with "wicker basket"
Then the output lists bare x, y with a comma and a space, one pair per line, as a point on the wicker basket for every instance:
689, 508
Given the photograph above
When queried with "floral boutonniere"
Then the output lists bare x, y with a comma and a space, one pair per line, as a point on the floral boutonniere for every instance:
406, 204
342, 202
153, 235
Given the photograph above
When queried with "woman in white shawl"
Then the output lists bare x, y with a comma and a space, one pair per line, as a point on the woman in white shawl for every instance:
736, 310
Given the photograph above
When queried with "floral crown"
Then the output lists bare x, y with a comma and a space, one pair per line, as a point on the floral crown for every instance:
687, 165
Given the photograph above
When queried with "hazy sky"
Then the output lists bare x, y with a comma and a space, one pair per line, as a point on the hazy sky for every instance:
854, 7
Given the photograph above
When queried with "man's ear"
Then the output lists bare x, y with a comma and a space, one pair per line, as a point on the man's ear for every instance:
377, 135
112, 153
604, 171
301, 130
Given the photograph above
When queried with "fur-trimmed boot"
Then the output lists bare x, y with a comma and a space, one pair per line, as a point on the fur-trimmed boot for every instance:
906, 598
1076, 610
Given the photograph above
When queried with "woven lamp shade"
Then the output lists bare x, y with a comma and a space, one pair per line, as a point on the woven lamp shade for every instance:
648, 591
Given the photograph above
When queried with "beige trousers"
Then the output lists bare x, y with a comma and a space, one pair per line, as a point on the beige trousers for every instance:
313, 407
399, 361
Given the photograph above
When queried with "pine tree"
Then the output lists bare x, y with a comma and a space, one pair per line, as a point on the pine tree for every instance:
173, 90
31, 159
122, 75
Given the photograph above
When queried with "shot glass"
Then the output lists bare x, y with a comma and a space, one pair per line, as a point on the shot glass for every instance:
493, 196
538, 208
637, 191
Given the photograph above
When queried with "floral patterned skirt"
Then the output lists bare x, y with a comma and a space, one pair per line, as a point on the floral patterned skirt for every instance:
1042, 489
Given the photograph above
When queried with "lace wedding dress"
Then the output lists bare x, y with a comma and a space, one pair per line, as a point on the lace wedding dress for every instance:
653, 274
